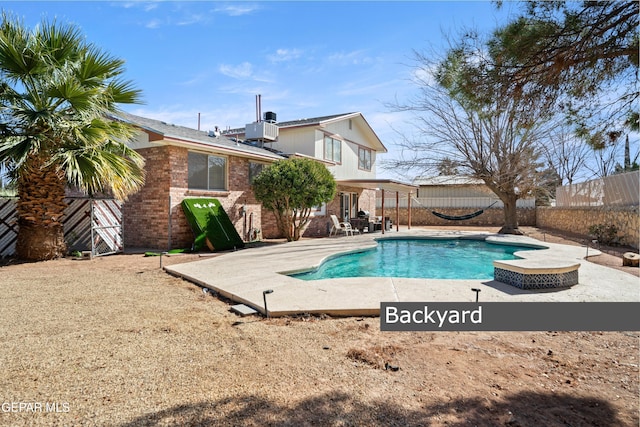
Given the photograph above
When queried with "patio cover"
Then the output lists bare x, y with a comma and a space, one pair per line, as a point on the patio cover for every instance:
386, 185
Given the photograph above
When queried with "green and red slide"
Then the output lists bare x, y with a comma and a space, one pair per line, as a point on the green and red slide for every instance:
211, 225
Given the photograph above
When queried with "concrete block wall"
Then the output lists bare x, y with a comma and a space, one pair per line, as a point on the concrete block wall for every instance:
489, 218
578, 220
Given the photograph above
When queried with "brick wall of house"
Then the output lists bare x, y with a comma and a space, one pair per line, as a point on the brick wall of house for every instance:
321, 225
367, 202
146, 214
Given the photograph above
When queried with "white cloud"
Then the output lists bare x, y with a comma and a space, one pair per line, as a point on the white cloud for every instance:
356, 57
281, 55
125, 4
153, 24
237, 9
197, 79
356, 88
244, 71
192, 19
144, 5
424, 76
150, 6
240, 71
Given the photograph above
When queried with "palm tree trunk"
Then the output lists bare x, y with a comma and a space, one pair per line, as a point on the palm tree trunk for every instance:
40, 208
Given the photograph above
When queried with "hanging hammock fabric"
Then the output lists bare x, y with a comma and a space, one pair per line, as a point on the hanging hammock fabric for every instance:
462, 217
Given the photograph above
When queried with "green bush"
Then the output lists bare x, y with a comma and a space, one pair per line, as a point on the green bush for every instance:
605, 234
291, 189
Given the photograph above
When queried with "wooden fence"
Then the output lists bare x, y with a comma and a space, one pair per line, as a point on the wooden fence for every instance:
89, 225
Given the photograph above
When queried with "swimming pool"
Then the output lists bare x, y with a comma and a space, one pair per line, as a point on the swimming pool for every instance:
417, 258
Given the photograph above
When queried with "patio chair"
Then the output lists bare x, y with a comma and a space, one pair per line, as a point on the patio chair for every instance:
344, 227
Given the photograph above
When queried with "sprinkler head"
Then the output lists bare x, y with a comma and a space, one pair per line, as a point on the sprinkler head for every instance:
477, 291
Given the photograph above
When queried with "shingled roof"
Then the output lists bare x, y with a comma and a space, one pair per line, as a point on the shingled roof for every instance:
189, 135
314, 120
300, 122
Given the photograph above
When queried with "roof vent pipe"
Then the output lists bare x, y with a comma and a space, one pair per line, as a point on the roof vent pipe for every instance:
258, 108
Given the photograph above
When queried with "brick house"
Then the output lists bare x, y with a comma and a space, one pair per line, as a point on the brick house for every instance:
184, 163
349, 147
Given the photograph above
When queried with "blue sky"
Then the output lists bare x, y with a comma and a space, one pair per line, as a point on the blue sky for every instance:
305, 59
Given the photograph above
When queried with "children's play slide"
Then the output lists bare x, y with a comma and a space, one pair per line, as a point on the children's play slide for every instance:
211, 225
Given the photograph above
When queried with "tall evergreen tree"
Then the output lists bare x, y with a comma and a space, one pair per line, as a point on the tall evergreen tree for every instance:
582, 57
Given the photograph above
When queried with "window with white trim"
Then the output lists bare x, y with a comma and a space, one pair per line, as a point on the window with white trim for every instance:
364, 158
332, 149
207, 172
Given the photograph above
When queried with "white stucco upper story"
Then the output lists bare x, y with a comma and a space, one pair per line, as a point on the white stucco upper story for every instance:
346, 141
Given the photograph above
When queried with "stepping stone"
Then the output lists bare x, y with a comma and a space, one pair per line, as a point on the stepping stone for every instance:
243, 310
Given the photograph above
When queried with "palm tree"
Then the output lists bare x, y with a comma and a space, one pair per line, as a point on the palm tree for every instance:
57, 94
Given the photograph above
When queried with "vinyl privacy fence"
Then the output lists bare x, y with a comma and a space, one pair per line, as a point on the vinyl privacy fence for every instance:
615, 190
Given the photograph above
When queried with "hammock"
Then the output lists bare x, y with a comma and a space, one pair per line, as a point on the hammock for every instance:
462, 217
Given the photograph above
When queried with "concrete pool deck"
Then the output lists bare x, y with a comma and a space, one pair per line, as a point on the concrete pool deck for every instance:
242, 276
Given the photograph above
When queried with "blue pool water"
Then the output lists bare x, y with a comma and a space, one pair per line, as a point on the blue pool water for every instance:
418, 258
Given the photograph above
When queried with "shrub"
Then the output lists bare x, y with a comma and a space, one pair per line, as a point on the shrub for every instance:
291, 189
605, 234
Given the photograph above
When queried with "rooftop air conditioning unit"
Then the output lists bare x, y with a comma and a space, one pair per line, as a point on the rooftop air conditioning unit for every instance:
261, 130
270, 117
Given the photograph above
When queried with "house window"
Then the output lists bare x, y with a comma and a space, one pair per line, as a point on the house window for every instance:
348, 206
319, 210
332, 149
254, 170
364, 158
207, 172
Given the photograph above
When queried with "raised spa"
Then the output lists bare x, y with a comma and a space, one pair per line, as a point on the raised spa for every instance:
418, 258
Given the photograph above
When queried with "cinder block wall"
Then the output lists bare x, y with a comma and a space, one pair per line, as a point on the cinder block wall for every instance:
489, 218
578, 220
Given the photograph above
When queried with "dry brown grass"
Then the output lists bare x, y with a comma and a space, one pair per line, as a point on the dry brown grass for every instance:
121, 343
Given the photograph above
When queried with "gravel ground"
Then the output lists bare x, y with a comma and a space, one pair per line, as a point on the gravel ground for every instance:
115, 341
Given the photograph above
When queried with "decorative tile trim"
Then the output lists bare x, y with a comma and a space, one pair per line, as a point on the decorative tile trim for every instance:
536, 281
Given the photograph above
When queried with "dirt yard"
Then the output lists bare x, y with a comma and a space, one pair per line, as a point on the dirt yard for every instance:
115, 341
